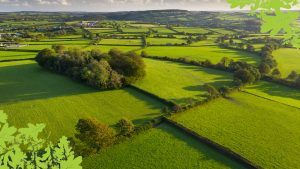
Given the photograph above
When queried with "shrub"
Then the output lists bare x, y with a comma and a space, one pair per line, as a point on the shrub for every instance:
94, 135
125, 127
293, 75
264, 68
276, 73
244, 76
211, 90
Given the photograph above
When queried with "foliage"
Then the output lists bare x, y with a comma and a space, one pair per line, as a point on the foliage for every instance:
125, 127
105, 71
274, 19
22, 148
94, 135
211, 90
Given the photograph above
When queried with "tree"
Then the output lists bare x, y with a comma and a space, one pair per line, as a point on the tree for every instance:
244, 76
293, 75
125, 127
211, 90
22, 148
225, 90
94, 135
130, 65
298, 82
58, 48
276, 73
224, 63
264, 68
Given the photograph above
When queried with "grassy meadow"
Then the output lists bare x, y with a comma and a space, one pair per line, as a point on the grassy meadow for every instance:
288, 60
212, 53
12, 55
162, 147
263, 131
276, 92
30, 94
181, 83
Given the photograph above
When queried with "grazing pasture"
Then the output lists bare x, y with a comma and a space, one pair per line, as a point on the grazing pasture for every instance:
130, 42
162, 147
265, 132
192, 30
12, 55
165, 41
180, 83
288, 60
276, 92
212, 53
30, 94
163, 30
135, 30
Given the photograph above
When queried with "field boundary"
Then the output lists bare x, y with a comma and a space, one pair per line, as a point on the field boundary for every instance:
219, 148
269, 99
165, 101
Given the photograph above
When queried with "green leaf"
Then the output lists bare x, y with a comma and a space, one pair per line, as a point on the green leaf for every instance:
3, 117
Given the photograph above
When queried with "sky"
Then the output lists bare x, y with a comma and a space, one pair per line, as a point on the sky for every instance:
110, 5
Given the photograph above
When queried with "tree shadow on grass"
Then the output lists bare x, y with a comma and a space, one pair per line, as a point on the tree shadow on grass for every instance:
209, 153
277, 90
31, 82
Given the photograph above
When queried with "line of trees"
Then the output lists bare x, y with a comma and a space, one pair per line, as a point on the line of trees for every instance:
111, 70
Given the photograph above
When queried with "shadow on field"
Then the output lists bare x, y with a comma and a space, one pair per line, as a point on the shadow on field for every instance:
208, 153
244, 56
277, 90
29, 81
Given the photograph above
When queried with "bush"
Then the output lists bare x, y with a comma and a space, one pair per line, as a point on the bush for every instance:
244, 76
264, 68
125, 127
211, 90
94, 136
276, 73
293, 75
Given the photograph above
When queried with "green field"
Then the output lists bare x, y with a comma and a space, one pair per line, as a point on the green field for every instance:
165, 41
163, 30
31, 94
193, 30
180, 83
212, 53
102, 30
106, 48
222, 31
163, 147
10, 55
265, 132
288, 60
276, 92
130, 42
135, 30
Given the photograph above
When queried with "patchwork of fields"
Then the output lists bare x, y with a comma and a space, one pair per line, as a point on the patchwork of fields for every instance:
162, 147
261, 122
246, 124
30, 94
